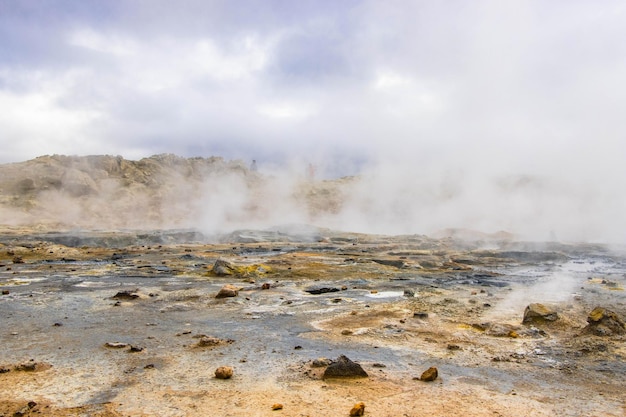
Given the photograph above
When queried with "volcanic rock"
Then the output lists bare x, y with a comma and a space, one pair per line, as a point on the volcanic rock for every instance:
357, 410
126, 295
222, 268
316, 290
429, 375
228, 291
603, 322
537, 313
224, 372
344, 368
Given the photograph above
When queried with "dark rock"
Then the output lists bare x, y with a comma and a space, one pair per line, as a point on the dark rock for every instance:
134, 349
344, 368
420, 315
18, 260
228, 291
266, 286
603, 322
396, 263
537, 313
126, 295
315, 290
5, 292
409, 293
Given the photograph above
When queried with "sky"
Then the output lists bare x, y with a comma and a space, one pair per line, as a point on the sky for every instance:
454, 89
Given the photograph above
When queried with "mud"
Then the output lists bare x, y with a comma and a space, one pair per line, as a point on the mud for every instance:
399, 305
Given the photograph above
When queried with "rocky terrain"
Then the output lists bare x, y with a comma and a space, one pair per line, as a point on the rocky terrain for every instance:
111, 305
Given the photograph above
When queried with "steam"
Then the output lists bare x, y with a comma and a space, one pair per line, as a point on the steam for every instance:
384, 197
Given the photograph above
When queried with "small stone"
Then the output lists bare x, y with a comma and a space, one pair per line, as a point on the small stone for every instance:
135, 349
18, 260
430, 374
224, 372
277, 407
346, 332
320, 362
357, 410
228, 291
5, 292
454, 347
266, 286
420, 315
116, 345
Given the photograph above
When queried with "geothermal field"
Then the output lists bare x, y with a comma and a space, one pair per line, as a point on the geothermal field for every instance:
178, 287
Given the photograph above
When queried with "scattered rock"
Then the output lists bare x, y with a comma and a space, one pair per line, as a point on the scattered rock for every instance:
210, 341
266, 286
18, 260
537, 313
430, 374
603, 322
135, 349
126, 295
316, 290
347, 332
224, 372
409, 293
5, 292
277, 407
357, 410
453, 347
344, 368
26, 410
420, 315
31, 366
228, 291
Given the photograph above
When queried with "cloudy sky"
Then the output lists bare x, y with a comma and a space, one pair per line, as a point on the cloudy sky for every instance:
496, 82
493, 114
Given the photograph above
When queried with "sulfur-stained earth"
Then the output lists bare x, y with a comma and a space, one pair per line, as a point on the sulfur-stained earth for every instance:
127, 323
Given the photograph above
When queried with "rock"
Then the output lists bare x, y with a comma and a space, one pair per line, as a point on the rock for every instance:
320, 362
18, 260
357, 410
603, 322
135, 349
430, 374
228, 291
5, 292
315, 290
126, 295
396, 263
224, 372
223, 268
277, 407
409, 293
266, 286
344, 368
537, 313
116, 345
420, 315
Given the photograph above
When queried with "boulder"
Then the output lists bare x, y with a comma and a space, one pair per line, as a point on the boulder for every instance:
537, 313
228, 291
344, 368
603, 322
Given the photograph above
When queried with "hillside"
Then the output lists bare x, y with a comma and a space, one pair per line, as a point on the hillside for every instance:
162, 191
